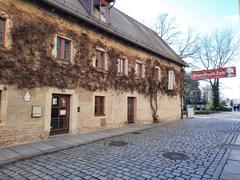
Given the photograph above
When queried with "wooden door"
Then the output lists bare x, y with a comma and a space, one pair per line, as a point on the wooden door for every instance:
60, 114
131, 110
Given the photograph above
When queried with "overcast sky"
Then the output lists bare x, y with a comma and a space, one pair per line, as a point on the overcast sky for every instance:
203, 15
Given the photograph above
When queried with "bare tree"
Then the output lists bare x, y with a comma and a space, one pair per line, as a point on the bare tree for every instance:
215, 51
209, 52
183, 43
166, 28
186, 46
191, 91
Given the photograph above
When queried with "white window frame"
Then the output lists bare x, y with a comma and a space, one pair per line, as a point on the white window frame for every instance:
142, 70
171, 80
71, 48
157, 76
7, 42
3, 43
4, 105
122, 66
1, 94
105, 58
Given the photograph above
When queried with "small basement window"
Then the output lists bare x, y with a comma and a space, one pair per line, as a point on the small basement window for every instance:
100, 59
63, 48
2, 31
99, 105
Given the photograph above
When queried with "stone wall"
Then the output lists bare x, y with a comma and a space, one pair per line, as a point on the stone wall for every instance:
20, 127
17, 125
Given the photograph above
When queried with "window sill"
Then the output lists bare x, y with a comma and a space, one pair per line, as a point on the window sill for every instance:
99, 115
101, 70
122, 74
2, 124
4, 48
64, 61
139, 77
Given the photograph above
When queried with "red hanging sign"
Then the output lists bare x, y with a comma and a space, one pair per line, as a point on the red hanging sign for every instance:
214, 73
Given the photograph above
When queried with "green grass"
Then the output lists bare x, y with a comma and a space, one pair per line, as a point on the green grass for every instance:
205, 112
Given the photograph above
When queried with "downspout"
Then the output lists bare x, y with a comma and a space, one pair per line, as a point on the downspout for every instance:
182, 84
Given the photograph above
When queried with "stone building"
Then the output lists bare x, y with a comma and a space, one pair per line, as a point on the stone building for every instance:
74, 66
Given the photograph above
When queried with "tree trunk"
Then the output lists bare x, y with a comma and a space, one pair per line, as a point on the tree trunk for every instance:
215, 94
154, 106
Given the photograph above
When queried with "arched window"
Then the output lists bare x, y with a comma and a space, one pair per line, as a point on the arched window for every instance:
157, 73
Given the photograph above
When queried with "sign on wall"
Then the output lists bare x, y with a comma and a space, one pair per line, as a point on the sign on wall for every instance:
36, 111
27, 97
190, 112
214, 73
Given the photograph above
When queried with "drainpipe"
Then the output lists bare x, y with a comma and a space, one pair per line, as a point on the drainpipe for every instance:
91, 7
181, 95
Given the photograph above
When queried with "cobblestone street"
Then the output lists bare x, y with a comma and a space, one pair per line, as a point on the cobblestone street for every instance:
203, 140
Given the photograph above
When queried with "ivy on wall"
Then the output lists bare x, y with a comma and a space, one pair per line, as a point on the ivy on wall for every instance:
30, 63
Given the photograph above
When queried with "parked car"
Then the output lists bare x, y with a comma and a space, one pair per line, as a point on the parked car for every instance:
189, 106
228, 108
200, 106
235, 104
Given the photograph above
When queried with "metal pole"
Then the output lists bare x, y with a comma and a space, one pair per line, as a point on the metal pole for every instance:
239, 8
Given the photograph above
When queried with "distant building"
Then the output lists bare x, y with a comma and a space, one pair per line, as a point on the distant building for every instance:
207, 93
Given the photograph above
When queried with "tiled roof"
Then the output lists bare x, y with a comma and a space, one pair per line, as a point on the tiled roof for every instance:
122, 26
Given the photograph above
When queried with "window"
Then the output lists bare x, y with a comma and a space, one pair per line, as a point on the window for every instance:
139, 67
0, 105
2, 31
99, 106
171, 80
121, 66
157, 73
63, 48
100, 59
104, 10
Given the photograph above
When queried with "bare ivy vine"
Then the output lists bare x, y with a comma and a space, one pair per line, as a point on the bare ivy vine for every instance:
30, 63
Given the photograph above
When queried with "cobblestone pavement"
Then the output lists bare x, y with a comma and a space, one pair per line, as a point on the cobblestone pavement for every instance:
202, 140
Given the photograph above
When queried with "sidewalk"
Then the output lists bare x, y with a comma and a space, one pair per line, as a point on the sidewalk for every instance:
53, 144
231, 169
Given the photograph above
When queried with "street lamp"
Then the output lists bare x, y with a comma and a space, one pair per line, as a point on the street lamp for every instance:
239, 8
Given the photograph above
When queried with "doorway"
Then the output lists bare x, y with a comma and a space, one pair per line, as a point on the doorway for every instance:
60, 114
131, 110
